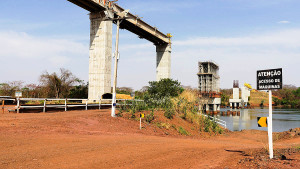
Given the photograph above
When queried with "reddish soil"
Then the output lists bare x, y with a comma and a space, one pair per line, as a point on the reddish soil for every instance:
93, 139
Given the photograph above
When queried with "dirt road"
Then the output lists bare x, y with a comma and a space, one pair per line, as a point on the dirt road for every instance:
92, 139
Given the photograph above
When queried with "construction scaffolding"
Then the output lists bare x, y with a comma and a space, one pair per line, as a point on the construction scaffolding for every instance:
209, 79
209, 82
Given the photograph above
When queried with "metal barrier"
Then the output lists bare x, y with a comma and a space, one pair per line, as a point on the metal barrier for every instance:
66, 103
217, 120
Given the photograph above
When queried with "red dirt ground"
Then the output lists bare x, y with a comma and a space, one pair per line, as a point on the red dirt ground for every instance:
93, 139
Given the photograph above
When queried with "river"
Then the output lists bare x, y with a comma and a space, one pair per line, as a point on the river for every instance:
283, 119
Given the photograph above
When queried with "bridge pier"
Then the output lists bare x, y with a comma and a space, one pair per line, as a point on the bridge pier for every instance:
100, 56
163, 61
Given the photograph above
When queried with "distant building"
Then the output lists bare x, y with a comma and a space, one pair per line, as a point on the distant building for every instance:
209, 86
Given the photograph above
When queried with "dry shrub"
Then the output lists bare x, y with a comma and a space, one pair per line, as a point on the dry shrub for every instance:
186, 106
124, 96
189, 95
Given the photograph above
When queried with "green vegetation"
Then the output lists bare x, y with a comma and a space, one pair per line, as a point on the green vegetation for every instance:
150, 117
288, 96
225, 96
169, 113
210, 126
182, 131
168, 97
80, 91
157, 96
124, 90
164, 88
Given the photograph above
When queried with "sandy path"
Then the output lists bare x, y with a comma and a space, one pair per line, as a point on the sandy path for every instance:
92, 139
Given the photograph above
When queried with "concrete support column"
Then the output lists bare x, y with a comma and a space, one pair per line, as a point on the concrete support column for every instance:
215, 107
235, 105
219, 108
230, 105
100, 56
163, 62
207, 107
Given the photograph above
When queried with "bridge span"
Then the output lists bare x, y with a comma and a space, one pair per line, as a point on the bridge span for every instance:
101, 43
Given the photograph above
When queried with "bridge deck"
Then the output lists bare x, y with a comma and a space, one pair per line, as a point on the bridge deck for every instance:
134, 24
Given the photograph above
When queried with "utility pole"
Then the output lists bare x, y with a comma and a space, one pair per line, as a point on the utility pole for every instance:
114, 100
110, 17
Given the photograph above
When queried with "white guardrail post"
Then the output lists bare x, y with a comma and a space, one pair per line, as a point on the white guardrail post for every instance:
86, 104
18, 105
44, 109
65, 104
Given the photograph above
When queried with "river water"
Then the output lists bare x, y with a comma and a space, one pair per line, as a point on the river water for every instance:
283, 119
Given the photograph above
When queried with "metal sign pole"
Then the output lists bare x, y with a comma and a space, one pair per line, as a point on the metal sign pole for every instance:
140, 123
270, 119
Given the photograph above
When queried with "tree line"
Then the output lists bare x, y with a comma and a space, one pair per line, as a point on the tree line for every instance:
56, 85
289, 95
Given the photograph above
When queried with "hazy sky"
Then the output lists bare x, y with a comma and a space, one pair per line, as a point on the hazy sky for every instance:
242, 36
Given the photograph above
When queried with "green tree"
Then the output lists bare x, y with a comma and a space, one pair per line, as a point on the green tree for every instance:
164, 88
224, 99
297, 93
80, 91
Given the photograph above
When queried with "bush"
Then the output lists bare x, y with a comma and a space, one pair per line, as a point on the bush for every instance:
164, 88
79, 92
133, 113
150, 117
182, 131
207, 124
169, 113
120, 113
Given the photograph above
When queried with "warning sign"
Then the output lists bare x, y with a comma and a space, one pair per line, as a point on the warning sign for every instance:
269, 79
262, 121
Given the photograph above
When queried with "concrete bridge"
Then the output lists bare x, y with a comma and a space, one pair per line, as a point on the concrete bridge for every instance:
101, 43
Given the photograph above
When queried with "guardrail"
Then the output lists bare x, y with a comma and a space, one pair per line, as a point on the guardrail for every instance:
217, 120
66, 103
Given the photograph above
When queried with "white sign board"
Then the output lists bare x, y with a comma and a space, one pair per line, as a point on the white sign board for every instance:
18, 94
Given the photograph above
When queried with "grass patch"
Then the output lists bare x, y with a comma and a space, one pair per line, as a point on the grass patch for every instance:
163, 125
182, 131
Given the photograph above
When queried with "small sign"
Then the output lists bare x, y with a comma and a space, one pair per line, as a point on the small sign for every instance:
262, 121
18, 94
269, 79
142, 115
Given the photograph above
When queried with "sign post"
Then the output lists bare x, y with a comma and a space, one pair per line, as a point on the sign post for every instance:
18, 95
269, 80
270, 129
142, 115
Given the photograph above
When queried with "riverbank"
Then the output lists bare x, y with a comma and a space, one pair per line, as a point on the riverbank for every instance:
92, 139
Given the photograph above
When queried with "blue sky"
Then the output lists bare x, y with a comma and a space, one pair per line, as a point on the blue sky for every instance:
242, 36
